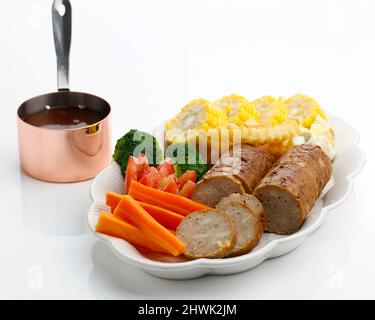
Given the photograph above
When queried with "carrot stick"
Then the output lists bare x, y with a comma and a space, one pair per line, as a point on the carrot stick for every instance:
113, 226
112, 199
166, 218
166, 200
130, 210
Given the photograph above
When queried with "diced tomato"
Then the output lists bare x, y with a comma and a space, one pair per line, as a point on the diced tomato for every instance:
189, 175
149, 170
187, 189
171, 186
139, 170
136, 168
150, 178
142, 164
166, 168
132, 170
150, 181
164, 181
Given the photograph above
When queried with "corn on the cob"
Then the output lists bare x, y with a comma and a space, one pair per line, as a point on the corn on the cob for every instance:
198, 115
271, 110
268, 122
238, 109
303, 109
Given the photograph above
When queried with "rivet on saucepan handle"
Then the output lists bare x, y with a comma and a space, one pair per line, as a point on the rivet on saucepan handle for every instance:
92, 129
62, 34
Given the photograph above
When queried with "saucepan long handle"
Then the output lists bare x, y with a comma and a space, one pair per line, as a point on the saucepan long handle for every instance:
62, 34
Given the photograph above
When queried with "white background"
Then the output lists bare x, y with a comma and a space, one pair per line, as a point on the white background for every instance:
148, 59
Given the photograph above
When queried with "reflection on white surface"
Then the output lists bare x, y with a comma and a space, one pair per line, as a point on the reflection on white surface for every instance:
54, 208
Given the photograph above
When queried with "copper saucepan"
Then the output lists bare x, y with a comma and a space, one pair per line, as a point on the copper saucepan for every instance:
68, 154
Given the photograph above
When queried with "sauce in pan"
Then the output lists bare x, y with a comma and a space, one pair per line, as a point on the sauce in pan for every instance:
64, 117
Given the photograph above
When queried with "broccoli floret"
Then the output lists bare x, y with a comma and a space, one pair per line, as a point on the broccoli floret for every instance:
132, 144
186, 157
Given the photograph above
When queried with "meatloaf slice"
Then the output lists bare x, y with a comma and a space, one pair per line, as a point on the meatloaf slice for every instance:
207, 234
249, 227
250, 201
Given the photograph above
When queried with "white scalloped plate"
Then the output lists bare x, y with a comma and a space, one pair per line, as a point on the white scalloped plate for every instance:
347, 164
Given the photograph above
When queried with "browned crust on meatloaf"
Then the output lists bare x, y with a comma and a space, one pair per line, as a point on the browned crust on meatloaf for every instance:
244, 163
254, 164
211, 189
301, 173
203, 234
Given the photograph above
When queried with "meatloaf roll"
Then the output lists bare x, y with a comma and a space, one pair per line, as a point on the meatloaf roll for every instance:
290, 189
238, 171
